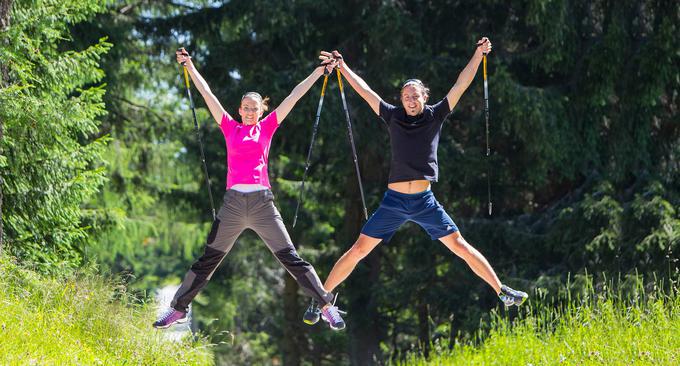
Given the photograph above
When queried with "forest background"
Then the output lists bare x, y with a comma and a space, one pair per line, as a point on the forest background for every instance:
100, 164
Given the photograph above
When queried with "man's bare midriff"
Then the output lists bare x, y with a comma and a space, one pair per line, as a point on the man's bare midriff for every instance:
412, 186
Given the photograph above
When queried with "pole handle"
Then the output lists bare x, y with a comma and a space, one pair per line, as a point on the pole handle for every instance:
339, 80
484, 66
184, 67
183, 52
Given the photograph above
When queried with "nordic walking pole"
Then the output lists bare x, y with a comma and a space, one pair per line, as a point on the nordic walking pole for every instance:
198, 132
488, 150
351, 141
311, 144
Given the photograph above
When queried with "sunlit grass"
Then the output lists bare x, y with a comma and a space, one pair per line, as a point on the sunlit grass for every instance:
626, 325
82, 319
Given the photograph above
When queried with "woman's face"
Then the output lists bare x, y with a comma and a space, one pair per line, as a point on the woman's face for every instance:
413, 99
250, 111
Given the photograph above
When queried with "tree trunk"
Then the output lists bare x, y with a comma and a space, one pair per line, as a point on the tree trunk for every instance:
364, 325
5, 6
364, 321
424, 326
292, 334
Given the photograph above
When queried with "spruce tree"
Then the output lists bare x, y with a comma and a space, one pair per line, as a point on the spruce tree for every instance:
49, 106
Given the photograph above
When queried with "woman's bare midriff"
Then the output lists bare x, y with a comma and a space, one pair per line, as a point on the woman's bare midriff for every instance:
412, 186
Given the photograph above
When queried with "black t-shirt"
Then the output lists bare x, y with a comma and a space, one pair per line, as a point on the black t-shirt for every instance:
414, 140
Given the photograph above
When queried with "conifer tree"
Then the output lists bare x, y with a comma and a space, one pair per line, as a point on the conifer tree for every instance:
49, 105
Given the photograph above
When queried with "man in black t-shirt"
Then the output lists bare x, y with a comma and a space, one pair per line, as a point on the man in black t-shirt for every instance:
414, 129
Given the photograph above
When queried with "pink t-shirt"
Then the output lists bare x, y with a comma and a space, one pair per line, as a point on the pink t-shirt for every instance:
248, 149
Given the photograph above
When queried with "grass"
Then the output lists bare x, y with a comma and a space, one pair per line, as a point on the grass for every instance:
629, 325
82, 319
88, 320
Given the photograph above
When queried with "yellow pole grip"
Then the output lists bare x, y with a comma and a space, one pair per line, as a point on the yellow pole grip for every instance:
186, 76
323, 88
484, 62
339, 79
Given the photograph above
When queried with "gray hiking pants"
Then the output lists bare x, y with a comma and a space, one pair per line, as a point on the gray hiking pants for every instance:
240, 211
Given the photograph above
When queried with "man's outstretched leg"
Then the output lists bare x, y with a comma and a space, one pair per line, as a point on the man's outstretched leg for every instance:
346, 264
460, 247
341, 270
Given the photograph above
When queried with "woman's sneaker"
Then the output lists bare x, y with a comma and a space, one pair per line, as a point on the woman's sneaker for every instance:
313, 314
511, 297
171, 317
331, 315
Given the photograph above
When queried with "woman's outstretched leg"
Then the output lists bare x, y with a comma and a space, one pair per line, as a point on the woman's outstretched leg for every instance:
225, 229
266, 221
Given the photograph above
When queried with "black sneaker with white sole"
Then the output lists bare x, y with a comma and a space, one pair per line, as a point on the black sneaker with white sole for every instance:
312, 314
511, 297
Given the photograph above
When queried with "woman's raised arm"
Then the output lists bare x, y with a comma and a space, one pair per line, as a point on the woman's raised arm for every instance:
213, 104
301, 89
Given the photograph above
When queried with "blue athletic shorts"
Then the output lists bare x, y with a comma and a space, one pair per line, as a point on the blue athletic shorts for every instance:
397, 208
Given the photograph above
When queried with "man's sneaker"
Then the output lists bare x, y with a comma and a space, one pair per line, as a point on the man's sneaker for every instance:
171, 317
511, 297
312, 314
331, 315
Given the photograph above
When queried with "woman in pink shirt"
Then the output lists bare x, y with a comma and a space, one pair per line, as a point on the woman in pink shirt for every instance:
248, 202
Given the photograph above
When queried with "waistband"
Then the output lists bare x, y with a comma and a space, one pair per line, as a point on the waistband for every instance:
394, 193
233, 192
